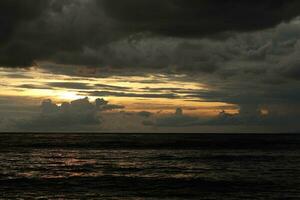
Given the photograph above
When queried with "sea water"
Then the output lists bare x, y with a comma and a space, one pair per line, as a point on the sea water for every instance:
149, 166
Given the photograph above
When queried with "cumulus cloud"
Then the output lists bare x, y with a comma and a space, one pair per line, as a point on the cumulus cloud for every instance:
68, 116
83, 115
178, 119
249, 115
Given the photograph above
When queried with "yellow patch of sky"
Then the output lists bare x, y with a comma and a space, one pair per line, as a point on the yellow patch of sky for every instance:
168, 106
11, 86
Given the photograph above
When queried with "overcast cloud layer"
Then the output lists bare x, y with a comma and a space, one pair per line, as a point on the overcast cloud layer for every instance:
85, 31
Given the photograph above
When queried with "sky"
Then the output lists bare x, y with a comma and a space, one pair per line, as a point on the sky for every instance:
149, 66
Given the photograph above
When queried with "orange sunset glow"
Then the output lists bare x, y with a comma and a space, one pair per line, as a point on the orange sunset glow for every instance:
35, 84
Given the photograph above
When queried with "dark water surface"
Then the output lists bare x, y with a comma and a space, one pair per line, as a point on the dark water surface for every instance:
181, 166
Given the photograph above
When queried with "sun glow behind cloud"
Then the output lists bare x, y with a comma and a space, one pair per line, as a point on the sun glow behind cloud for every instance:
155, 93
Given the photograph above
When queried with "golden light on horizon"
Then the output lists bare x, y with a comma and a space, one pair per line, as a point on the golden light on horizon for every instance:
131, 92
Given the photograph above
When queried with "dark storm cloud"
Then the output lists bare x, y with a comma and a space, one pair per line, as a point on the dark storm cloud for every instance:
13, 12
51, 30
250, 95
84, 32
195, 18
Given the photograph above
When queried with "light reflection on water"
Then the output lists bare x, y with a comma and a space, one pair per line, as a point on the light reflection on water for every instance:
94, 163
94, 171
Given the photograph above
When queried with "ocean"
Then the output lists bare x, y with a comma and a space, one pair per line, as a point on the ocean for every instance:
149, 166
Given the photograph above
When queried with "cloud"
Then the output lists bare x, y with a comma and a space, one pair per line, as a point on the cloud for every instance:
34, 86
245, 51
107, 32
178, 119
123, 94
74, 85
145, 114
50, 29
112, 87
112, 107
289, 66
196, 18
81, 114
14, 12
248, 116
270, 54
70, 85
18, 76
